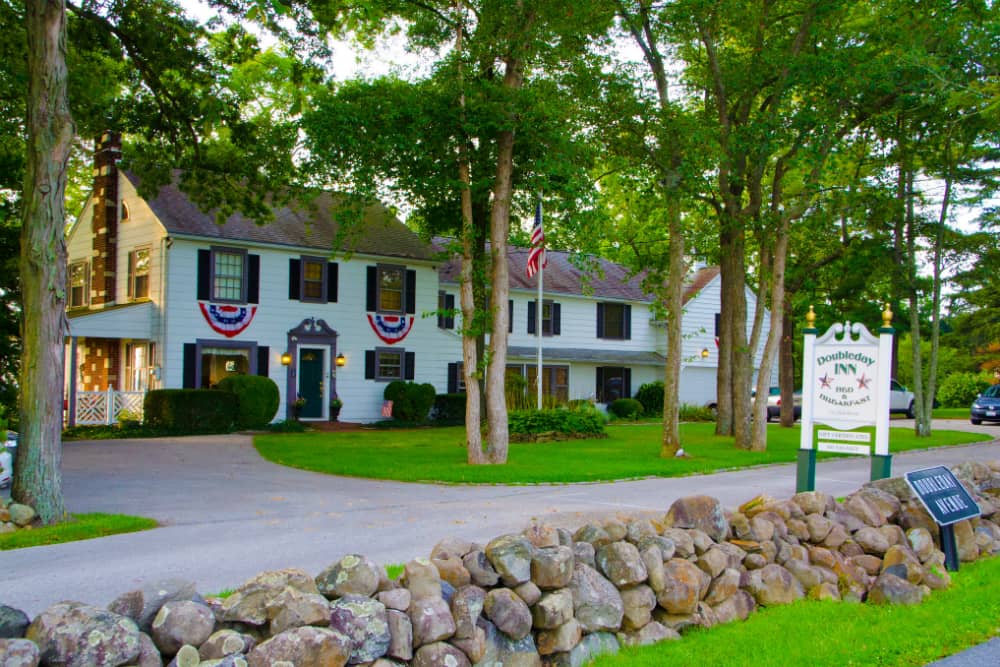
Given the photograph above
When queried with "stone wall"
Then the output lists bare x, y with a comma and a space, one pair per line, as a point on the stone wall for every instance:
545, 596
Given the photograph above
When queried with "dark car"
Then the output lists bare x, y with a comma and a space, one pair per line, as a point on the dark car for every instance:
986, 408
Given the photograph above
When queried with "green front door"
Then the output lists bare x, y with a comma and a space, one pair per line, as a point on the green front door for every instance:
311, 373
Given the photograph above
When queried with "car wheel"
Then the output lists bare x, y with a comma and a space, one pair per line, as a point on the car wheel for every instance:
770, 417
910, 414
976, 422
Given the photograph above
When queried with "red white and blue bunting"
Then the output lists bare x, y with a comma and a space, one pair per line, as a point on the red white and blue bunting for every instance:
226, 319
391, 328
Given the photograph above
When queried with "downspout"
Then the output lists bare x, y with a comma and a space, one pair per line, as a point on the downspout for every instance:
165, 244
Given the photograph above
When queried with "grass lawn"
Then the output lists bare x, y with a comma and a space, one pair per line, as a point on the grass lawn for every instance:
80, 527
438, 454
837, 633
950, 413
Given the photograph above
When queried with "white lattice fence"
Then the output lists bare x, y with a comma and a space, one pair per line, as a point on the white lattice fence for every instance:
92, 407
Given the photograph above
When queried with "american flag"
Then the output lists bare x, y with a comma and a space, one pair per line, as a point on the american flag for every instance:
537, 252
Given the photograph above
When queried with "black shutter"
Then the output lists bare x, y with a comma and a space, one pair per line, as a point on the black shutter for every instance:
294, 278
556, 319
532, 305
718, 316
411, 292
627, 381
600, 384
253, 279
449, 303
263, 360
510, 316
600, 320
372, 300
628, 322
452, 378
408, 365
332, 280
204, 275
369, 364
190, 364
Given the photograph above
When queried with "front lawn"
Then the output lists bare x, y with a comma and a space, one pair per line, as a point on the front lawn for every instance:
438, 454
79, 527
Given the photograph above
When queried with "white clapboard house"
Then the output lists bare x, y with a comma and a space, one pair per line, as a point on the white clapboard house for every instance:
160, 296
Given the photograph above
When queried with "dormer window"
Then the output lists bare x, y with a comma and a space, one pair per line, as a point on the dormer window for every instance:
79, 285
138, 273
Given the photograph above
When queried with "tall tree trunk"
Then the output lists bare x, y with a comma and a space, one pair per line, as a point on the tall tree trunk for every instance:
675, 312
786, 365
37, 476
741, 372
470, 356
724, 372
498, 437
928, 405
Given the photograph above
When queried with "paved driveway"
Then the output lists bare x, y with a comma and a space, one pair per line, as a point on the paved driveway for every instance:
227, 514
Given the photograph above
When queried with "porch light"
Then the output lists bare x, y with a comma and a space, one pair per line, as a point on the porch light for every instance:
286, 359
341, 360
704, 353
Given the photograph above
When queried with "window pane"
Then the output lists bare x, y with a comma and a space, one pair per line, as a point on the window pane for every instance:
614, 320
228, 276
221, 362
78, 285
547, 317
390, 365
139, 279
312, 279
390, 298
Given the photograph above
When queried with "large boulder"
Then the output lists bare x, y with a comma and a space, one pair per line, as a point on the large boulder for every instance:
363, 621
182, 622
736, 607
682, 589
560, 639
702, 512
303, 647
79, 635
589, 648
552, 567
639, 602
552, 610
508, 612
774, 585
249, 603
225, 642
502, 651
621, 563
466, 608
292, 609
892, 589
16, 652
13, 622
422, 579
511, 558
142, 604
597, 604
353, 574
480, 569
431, 619
439, 654
400, 635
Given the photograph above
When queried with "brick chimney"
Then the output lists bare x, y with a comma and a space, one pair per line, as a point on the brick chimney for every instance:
107, 152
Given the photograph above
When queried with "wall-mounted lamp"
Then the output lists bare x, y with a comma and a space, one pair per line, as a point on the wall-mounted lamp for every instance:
704, 353
341, 360
286, 359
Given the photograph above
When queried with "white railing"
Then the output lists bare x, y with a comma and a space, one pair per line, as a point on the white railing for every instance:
103, 407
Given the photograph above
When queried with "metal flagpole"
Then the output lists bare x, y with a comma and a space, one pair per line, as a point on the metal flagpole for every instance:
538, 328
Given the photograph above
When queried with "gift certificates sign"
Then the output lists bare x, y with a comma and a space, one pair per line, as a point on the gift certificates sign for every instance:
845, 377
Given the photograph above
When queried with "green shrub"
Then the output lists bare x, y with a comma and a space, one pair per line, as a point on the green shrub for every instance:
411, 402
584, 422
287, 426
449, 409
258, 399
626, 408
958, 390
191, 410
651, 397
516, 393
695, 413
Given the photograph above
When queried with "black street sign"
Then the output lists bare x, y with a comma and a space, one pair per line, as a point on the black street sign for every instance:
943, 495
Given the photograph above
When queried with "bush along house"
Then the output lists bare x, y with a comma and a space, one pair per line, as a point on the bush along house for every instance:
160, 296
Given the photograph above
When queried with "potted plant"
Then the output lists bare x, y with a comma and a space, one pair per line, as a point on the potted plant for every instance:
335, 405
297, 406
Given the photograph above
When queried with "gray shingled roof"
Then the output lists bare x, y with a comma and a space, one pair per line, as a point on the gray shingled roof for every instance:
309, 223
609, 281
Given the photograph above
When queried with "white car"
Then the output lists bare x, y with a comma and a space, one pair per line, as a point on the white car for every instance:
900, 400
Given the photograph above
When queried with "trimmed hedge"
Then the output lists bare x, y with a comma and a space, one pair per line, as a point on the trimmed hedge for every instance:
582, 423
651, 397
449, 409
191, 410
626, 408
258, 399
411, 402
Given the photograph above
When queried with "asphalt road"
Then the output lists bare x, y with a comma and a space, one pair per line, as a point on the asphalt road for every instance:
227, 514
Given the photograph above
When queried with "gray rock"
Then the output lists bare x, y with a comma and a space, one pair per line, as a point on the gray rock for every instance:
182, 622
502, 651
149, 655
615, 529
639, 602
592, 534
422, 579
508, 612
363, 621
713, 562
864, 510
552, 567
439, 654
683, 543
872, 541
21, 515
480, 569
890, 589
723, 587
651, 633
541, 535
682, 591
17, 652
813, 502
637, 529
597, 604
621, 563
819, 527
142, 604
560, 639
248, 604
13, 622
664, 544
808, 576
466, 608
473, 647
187, 656
701, 512
303, 647
511, 558
431, 619
583, 552
552, 610
590, 647
353, 574
451, 547
293, 609
452, 570
225, 642
774, 585
79, 635
736, 607
652, 558
400, 635
528, 592
397, 598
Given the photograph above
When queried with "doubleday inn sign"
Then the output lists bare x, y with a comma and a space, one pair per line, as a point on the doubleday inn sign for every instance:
845, 385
